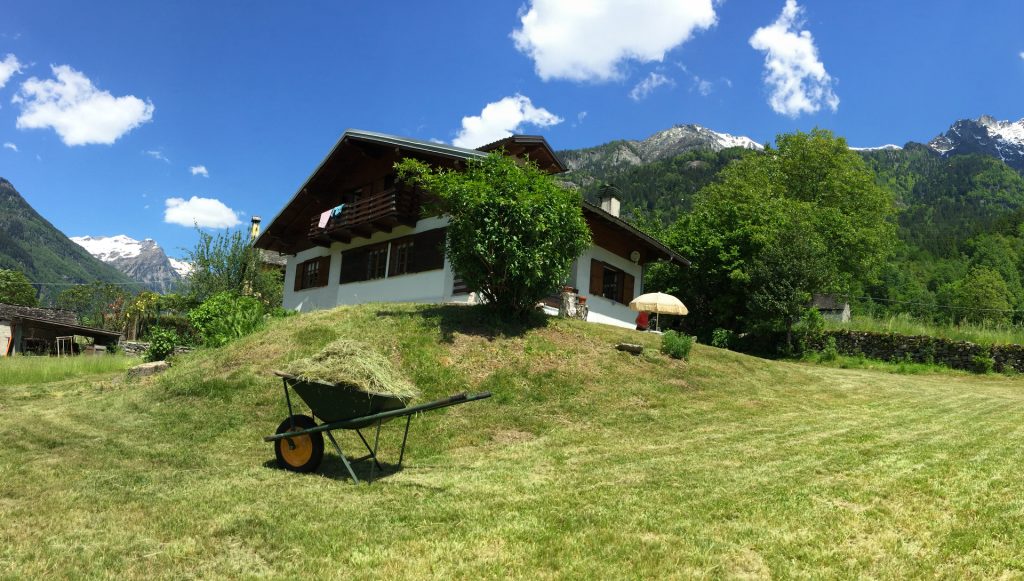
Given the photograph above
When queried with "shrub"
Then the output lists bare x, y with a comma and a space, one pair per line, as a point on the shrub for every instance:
983, 363
722, 338
809, 330
226, 316
513, 231
676, 345
161, 344
830, 352
181, 325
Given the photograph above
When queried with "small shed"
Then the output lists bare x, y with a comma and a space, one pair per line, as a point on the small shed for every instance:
831, 308
46, 331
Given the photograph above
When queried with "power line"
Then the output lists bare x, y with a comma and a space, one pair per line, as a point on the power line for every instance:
933, 305
87, 283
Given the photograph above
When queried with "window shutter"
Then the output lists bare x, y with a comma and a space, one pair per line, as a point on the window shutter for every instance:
353, 266
596, 277
324, 270
299, 270
428, 251
627, 288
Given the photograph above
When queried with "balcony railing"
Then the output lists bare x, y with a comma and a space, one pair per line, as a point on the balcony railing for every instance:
380, 212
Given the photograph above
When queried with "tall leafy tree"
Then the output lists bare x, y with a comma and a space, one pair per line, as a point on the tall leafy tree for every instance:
513, 231
98, 304
227, 262
802, 218
15, 289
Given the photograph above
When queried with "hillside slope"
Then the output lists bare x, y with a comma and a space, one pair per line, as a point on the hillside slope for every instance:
587, 462
28, 242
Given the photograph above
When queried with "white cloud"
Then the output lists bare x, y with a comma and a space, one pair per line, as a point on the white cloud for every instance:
8, 68
199, 170
1022, 55
11, 146
581, 116
501, 119
79, 112
796, 78
590, 40
648, 85
157, 154
202, 212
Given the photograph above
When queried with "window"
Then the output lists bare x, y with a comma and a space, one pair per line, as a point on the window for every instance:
610, 282
401, 257
312, 273
376, 263
417, 253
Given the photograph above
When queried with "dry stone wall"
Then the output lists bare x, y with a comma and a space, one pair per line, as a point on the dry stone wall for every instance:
924, 349
138, 348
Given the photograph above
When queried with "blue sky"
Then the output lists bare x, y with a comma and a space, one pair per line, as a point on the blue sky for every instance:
105, 108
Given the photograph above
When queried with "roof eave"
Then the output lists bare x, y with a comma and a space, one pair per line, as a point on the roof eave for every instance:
670, 254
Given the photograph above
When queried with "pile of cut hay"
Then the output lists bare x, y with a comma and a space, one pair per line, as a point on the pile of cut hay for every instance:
350, 363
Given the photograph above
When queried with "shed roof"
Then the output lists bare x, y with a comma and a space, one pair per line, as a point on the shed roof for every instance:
62, 316
107, 336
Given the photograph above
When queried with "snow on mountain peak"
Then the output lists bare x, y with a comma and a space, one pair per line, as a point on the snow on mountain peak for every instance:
180, 266
886, 147
1012, 131
726, 140
110, 248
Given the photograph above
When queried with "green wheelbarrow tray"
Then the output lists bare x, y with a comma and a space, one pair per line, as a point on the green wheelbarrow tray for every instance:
298, 442
334, 403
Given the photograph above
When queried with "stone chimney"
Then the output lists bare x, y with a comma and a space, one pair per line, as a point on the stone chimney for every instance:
254, 228
610, 199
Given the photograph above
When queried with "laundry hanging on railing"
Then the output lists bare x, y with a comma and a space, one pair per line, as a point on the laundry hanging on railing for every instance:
326, 215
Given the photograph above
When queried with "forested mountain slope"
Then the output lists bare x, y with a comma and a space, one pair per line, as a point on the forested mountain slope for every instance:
28, 242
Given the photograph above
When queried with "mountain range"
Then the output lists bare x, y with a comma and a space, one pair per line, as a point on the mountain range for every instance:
142, 260
963, 183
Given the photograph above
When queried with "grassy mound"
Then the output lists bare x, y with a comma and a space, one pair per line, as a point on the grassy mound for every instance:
724, 466
347, 364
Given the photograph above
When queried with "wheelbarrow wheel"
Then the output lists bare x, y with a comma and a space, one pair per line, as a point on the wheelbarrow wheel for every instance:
301, 453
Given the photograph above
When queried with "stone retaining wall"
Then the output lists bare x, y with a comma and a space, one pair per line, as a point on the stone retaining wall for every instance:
924, 349
138, 348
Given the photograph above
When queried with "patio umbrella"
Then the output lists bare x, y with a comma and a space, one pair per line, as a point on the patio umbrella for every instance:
659, 303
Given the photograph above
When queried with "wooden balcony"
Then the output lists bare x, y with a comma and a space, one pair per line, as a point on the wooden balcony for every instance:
379, 212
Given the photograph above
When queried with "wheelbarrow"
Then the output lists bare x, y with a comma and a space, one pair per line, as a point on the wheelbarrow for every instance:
299, 440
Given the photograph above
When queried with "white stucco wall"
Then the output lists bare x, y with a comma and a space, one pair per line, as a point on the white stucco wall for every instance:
604, 310
435, 286
422, 287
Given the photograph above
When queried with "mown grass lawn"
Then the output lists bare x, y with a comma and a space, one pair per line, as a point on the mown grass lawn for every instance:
587, 462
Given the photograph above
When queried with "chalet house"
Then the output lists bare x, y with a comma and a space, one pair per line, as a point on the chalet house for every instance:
353, 235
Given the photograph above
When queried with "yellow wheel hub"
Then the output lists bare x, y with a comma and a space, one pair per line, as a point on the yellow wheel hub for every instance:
299, 454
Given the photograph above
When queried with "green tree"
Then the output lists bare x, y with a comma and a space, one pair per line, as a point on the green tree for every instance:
513, 231
980, 297
227, 262
15, 289
801, 218
99, 304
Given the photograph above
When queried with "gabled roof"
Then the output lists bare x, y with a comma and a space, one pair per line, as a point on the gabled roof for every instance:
303, 201
665, 252
533, 146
